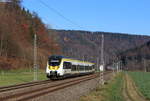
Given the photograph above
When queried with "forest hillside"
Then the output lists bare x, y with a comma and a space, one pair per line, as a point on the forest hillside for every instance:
17, 29
86, 45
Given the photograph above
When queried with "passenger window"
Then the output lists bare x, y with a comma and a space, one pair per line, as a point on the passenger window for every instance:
74, 68
67, 65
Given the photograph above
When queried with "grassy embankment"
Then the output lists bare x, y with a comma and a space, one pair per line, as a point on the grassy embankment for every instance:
110, 92
12, 77
142, 81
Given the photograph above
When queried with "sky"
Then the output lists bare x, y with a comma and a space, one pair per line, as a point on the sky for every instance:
123, 16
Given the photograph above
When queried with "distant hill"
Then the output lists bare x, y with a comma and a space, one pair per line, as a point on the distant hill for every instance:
137, 58
86, 45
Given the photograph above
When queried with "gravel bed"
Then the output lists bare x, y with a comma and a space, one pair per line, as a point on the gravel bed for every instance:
72, 93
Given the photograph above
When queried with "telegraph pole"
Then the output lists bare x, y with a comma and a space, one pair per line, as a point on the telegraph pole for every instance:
35, 59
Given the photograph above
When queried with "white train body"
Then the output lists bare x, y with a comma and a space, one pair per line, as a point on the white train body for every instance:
58, 66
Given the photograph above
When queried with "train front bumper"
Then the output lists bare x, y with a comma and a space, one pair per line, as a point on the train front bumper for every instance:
53, 74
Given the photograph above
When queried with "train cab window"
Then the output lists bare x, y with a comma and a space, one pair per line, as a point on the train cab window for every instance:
67, 65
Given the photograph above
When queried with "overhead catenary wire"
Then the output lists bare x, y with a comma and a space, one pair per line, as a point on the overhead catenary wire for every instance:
60, 14
35, 46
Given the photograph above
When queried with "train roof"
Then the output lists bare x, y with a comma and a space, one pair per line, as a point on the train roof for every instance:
75, 60
68, 58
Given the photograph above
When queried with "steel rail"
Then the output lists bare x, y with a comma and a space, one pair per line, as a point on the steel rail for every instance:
33, 93
28, 93
18, 86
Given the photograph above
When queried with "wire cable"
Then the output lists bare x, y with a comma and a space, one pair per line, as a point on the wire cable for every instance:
59, 14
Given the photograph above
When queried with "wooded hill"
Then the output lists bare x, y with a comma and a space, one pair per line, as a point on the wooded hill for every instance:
17, 29
137, 58
86, 45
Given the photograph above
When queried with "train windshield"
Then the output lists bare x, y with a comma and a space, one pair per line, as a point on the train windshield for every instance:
54, 62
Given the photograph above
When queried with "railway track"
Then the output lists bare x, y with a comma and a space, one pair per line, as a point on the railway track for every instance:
28, 91
18, 86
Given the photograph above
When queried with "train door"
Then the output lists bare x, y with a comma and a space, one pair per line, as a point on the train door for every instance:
67, 67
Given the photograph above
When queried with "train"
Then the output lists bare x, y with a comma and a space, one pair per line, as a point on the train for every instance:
63, 67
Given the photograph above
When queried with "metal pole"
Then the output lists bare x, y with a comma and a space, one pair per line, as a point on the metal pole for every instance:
120, 66
102, 61
35, 59
84, 63
102, 50
117, 64
97, 68
144, 65
113, 67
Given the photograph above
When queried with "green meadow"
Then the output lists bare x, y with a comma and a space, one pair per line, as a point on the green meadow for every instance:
13, 77
142, 81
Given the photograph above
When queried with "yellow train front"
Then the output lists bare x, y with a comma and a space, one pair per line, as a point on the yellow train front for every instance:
59, 66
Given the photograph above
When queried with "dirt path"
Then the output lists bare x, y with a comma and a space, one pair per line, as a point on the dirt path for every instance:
130, 91
125, 94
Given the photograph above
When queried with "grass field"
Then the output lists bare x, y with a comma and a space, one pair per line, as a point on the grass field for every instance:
142, 80
12, 77
110, 92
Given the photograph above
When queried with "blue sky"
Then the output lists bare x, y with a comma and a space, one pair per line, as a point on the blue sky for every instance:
125, 16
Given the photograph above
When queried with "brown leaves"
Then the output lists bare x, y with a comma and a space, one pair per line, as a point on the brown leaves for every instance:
17, 28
